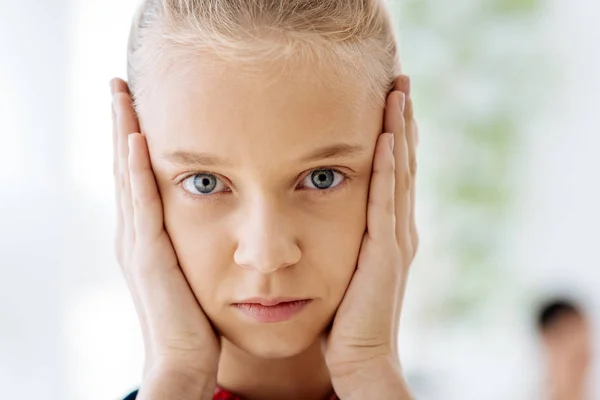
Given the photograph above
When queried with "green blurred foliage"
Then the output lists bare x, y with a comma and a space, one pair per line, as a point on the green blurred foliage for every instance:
475, 70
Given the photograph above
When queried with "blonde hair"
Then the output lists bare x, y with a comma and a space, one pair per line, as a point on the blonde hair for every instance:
341, 36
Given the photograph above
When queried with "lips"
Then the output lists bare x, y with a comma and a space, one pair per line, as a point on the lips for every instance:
270, 301
271, 310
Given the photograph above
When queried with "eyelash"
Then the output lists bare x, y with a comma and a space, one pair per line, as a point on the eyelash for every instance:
214, 197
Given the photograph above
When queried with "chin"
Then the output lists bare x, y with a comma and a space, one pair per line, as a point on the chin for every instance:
269, 341
271, 351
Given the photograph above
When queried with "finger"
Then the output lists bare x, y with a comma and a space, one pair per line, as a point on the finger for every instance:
143, 219
116, 177
123, 239
119, 85
412, 141
147, 205
394, 122
402, 84
380, 215
126, 124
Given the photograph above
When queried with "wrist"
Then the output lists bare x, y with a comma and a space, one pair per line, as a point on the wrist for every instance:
377, 379
166, 382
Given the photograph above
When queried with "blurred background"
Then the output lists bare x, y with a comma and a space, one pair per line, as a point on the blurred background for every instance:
508, 99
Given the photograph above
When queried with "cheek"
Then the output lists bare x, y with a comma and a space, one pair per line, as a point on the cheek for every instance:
204, 257
331, 241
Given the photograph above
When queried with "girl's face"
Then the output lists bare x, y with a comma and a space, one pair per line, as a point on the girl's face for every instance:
264, 183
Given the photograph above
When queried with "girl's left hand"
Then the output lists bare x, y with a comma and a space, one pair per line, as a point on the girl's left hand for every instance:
364, 335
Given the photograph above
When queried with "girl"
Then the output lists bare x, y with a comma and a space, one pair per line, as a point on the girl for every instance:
265, 223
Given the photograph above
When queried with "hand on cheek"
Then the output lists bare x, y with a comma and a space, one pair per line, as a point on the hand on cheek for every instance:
180, 345
365, 329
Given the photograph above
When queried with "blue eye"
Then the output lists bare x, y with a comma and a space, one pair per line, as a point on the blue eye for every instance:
201, 184
323, 179
206, 184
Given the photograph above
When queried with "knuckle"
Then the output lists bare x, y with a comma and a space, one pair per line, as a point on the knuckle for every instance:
390, 206
139, 203
413, 166
143, 199
416, 242
405, 180
122, 181
390, 169
390, 166
387, 206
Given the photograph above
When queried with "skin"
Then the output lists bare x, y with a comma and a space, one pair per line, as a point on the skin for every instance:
567, 345
266, 230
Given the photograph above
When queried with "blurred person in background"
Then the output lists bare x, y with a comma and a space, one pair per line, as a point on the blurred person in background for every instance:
567, 349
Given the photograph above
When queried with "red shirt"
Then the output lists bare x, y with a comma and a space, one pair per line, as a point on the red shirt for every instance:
220, 394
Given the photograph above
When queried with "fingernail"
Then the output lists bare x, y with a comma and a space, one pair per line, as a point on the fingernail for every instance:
402, 102
391, 139
113, 86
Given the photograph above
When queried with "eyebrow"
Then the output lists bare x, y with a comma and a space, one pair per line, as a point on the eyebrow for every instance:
186, 158
338, 150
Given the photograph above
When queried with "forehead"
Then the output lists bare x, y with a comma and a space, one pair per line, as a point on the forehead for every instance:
222, 107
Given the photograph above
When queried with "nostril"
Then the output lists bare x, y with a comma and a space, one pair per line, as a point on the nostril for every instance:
267, 259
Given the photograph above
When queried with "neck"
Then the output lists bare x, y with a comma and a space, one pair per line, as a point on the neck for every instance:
569, 383
304, 376
575, 393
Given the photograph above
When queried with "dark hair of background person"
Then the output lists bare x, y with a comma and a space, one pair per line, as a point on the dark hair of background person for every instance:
553, 310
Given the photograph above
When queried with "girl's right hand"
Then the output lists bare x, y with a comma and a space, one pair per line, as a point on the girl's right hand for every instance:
179, 340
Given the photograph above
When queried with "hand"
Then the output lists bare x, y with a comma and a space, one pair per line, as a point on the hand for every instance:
179, 340
364, 334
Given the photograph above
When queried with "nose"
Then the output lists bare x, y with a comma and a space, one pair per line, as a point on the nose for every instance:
266, 242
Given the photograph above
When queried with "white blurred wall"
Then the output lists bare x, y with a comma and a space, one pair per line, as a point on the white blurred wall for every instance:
33, 110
